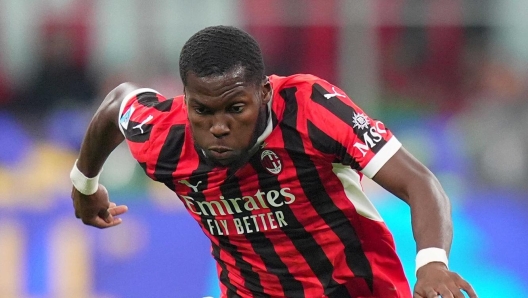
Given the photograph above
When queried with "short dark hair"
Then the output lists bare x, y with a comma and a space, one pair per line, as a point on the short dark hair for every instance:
216, 50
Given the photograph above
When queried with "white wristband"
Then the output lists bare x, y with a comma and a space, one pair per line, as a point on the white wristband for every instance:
429, 255
85, 185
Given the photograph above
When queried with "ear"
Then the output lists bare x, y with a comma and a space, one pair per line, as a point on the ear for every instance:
266, 91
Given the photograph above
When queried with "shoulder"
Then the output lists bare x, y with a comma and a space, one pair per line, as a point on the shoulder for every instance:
295, 81
307, 89
140, 104
305, 86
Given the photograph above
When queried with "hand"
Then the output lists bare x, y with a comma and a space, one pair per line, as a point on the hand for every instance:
97, 210
435, 280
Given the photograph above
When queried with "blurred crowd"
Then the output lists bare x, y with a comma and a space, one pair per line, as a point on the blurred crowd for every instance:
444, 62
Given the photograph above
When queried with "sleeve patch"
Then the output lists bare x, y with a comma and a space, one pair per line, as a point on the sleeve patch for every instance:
125, 118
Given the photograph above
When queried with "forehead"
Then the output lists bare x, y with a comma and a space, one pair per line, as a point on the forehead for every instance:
217, 85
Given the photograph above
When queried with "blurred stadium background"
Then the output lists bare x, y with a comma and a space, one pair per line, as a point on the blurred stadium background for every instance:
449, 77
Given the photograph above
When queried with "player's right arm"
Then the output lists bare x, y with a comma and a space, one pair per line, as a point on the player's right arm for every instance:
101, 138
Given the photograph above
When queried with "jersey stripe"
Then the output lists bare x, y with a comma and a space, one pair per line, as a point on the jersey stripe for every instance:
198, 177
169, 155
151, 99
316, 257
343, 111
292, 287
326, 144
250, 278
231, 189
138, 132
315, 264
223, 274
355, 257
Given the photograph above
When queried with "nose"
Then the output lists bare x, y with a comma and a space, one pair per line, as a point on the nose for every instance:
219, 127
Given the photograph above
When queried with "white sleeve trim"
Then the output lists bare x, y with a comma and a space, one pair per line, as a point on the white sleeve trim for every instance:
385, 153
126, 99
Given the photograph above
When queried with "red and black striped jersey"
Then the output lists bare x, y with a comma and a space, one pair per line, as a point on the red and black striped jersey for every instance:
293, 221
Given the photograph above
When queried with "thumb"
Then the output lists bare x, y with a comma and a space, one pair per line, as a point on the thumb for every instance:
106, 216
105, 213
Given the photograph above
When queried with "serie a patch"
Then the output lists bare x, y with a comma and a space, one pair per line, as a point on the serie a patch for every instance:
125, 118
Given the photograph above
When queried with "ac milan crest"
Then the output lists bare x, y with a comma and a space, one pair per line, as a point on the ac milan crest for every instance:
271, 162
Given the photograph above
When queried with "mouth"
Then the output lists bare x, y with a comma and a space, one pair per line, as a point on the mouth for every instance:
220, 152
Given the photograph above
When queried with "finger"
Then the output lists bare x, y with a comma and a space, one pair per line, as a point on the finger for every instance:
112, 205
117, 210
102, 224
419, 291
76, 212
444, 292
457, 293
455, 290
108, 216
425, 293
464, 285
431, 293
105, 215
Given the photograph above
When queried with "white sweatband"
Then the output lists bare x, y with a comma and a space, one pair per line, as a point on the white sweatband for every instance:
429, 255
86, 186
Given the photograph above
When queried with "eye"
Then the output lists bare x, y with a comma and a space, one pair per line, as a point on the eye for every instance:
237, 108
201, 110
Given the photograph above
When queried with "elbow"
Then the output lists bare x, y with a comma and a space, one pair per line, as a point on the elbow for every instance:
429, 190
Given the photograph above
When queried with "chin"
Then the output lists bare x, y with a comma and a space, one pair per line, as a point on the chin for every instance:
222, 162
228, 161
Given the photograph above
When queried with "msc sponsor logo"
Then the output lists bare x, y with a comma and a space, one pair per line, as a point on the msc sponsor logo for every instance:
361, 121
373, 134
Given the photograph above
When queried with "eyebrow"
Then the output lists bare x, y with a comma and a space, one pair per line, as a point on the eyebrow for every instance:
229, 97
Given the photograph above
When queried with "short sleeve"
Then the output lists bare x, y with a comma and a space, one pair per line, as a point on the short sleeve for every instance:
336, 125
128, 106
143, 116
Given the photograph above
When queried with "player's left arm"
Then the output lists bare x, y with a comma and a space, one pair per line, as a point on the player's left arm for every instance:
407, 178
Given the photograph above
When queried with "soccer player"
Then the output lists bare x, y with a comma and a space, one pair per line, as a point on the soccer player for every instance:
270, 167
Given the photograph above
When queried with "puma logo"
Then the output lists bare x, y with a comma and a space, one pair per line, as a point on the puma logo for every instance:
194, 187
140, 125
330, 95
